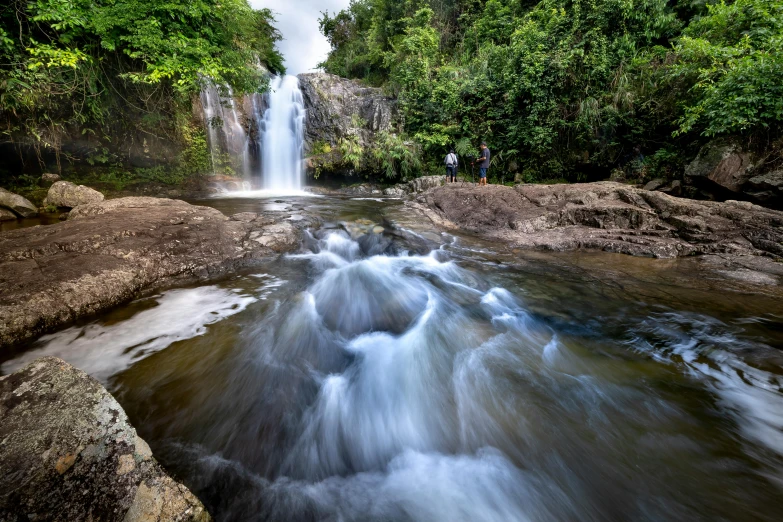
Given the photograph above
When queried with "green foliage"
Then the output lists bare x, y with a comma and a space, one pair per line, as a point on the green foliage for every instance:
734, 58
66, 66
395, 157
567, 88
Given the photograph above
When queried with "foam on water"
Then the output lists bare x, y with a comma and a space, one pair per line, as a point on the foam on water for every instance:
103, 350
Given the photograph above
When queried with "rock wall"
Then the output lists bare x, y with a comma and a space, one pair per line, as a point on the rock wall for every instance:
338, 108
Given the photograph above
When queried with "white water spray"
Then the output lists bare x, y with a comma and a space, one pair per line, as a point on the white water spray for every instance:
283, 137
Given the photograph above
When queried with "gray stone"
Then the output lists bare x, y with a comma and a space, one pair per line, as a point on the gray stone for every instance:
68, 452
110, 252
49, 178
68, 195
17, 204
722, 163
7, 215
655, 184
337, 108
767, 188
607, 216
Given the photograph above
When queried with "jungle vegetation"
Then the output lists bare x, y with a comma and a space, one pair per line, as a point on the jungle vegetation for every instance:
570, 89
106, 69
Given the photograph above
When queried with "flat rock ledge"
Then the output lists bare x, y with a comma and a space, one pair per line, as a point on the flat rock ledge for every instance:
111, 251
608, 216
68, 452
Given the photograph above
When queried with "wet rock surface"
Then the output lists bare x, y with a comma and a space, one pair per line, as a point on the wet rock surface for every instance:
17, 204
69, 195
68, 452
110, 252
611, 217
337, 107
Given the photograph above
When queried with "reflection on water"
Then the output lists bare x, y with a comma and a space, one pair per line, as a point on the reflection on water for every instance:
393, 373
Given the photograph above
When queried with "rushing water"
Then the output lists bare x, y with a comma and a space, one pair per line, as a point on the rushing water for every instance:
391, 373
283, 137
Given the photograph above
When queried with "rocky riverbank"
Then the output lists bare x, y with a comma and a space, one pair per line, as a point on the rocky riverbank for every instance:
111, 251
611, 217
68, 452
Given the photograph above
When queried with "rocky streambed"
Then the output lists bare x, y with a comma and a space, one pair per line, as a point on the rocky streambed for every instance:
361, 268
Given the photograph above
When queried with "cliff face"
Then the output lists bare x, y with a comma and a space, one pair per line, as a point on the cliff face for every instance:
338, 108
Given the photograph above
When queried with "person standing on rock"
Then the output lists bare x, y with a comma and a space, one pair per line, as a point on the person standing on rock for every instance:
483, 162
451, 167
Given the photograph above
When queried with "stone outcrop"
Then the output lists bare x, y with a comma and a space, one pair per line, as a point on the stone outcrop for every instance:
68, 195
608, 216
17, 204
68, 452
337, 108
110, 252
724, 170
6, 215
767, 188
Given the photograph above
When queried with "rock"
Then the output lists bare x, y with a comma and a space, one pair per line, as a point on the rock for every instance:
425, 183
674, 188
7, 215
49, 178
767, 188
607, 216
16, 203
67, 195
414, 186
336, 108
655, 184
396, 191
109, 252
63, 216
68, 452
720, 163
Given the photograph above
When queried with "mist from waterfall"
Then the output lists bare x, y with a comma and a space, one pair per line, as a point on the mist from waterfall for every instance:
283, 136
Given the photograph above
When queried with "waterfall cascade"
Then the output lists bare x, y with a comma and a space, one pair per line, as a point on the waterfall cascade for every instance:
269, 154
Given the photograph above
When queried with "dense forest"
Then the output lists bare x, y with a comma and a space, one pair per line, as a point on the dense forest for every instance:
97, 73
570, 89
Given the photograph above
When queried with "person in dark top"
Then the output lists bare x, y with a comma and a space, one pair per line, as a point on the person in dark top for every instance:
483, 163
451, 166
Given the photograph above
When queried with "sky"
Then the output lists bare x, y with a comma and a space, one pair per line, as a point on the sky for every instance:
303, 46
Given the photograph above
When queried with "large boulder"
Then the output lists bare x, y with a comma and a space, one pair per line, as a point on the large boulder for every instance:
69, 195
721, 164
109, 252
68, 452
17, 204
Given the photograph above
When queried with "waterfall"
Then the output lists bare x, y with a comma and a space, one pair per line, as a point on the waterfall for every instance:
272, 153
283, 136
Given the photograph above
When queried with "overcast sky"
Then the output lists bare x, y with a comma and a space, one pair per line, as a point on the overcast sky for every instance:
303, 45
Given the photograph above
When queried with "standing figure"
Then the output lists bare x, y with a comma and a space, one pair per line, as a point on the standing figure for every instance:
483, 162
451, 167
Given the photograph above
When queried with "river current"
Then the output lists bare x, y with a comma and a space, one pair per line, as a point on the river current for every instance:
389, 372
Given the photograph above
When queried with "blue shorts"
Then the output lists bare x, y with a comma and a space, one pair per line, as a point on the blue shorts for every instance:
482, 172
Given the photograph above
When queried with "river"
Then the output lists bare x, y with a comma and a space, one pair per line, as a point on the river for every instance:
391, 372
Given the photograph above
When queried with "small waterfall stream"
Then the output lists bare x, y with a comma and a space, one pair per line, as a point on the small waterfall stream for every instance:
269, 158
